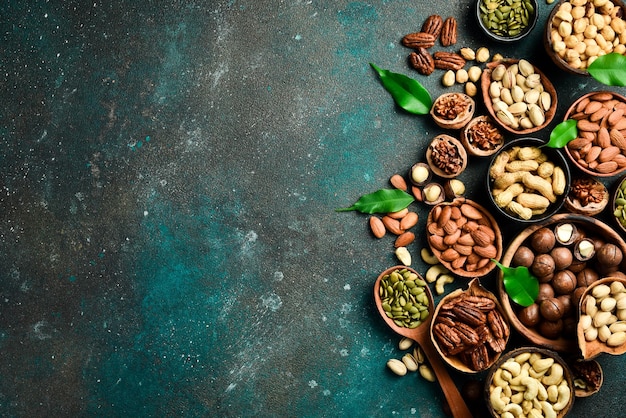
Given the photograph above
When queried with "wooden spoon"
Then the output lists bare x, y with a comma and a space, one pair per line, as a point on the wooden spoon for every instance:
421, 335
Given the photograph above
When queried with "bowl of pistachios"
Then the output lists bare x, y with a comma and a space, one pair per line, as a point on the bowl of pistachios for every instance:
618, 204
506, 22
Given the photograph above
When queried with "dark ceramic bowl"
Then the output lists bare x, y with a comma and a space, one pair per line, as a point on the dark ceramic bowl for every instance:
487, 20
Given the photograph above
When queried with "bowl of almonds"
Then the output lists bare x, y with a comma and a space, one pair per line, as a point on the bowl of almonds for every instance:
600, 147
579, 31
518, 96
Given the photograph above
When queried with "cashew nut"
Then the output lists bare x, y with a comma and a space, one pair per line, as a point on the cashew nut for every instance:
428, 256
497, 379
512, 366
527, 406
495, 399
548, 410
441, 282
435, 271
555, 376
532, 388
535, 413
522, 358
514, 409
518, 380
543, 364
563, 399
507, 415
543, 393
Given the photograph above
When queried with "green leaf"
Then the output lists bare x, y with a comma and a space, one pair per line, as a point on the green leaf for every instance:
408, 93
381, 201
562, 134
521, 286
609, 69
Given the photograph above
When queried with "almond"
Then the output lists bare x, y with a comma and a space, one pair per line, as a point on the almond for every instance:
615, 116
607, 167
481, 238
470, 212
449, 255
602, 96
608, 154
434, 229
446, 214
463, 249
603, 139
578, 143
593, 154
436, 242
587, 126
392, 225
459, 263
599, 114
592, 107
466, 239
404, 239
617, 139
398, 182
409, 221
399, 214
377, 226
453, 238
486, 252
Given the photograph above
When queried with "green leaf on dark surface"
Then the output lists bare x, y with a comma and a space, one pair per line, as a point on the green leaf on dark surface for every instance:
562, 134
521, 286
407, 92
609, 69
381, 201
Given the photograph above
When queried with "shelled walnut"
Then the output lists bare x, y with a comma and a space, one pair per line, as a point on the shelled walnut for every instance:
587, 196
453, 110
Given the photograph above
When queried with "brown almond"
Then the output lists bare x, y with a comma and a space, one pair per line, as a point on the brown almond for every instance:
417, 194
463, 249
580, 107
620, 160
434, 229
603, 139
453, 238
578, 143
585, 125
615, 116
466, 239
459, 262
486, 252
602, 96
607, 167
399, 214
455, 213
450, 227
409, 221
470, 212
593, 154
436, 242
392, 225
487, 229
449, 255
608, 154
620, 125
377, 226
481, 238
446, 213
398, 182
599, 114
404, 239
592, 107
617, 139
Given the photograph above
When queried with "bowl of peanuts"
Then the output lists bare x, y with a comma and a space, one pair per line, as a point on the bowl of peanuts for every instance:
530, 381
527, 182
600, 147
579, 31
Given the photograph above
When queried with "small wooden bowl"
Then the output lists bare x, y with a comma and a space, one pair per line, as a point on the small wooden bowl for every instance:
591, 349
485, 83
456, 361
524, 351
482, 147
577, 111
548, 41
486, 219
587, 226
457, 152
459, 120
588, 373
575, 203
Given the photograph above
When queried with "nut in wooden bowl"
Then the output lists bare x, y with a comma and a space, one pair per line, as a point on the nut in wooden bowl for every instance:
482, 137
518, 96
453, 110
522, 379
574, 39
588, 377
446, 156
566, 253
618, 204
464, 237
469, 329
600, 148
602, 318
587, 196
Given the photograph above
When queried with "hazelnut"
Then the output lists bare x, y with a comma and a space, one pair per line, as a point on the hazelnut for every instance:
523, 256
543, 267
552, 309
551, 329
542, 240
529, 315
586, 277
546, 291
564, 282
609, 255
562, 257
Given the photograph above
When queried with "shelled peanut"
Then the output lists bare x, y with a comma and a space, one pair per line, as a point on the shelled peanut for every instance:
601, 143
525, 181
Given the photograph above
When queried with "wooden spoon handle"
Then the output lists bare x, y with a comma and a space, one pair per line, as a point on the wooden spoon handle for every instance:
457, 404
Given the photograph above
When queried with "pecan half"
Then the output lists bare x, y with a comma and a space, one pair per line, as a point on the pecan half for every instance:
422, 61
448, 32
449, 339
478, 357
497, 325
448, 60
467, 334
469, 314
433, 25
418, 40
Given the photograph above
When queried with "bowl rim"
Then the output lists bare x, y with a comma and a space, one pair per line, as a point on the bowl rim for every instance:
561, 344
612, 198
569, 112
554, 207
507, 39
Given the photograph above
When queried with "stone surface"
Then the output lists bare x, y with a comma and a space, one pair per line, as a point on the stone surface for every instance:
170, 173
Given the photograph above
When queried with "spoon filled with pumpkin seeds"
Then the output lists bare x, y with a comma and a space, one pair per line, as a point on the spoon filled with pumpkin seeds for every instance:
406, 304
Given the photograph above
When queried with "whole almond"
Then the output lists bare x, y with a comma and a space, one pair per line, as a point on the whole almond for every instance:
436, 242
449, 255
463, 249
578, 143
398, 182
392, 225
486, 252
615, 116
404, 239
377, 226
617, 139
593, 154
451, 239
470, 212
409, 221
603, 139
444, 217
599, 114
466, 239
417, 194
602, 96
608, 154
585, 125
399, 214
592, 107
481, 238
607, 167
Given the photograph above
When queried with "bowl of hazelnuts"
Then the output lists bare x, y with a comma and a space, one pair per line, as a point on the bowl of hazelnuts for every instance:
566, 254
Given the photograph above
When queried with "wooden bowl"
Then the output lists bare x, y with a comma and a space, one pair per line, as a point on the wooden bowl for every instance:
453, 120
585, 152
492, 346
595, 346
482, 137
618, 204
495, 377
485, 84
445, 146
587, 196
587, 227
549, 41
588, 377
477, 226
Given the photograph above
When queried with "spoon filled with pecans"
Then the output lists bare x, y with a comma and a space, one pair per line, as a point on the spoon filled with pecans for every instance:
406, 304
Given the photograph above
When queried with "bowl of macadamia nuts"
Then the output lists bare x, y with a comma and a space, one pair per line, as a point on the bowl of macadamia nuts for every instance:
530, 381
566, 253
579, 31
527, 182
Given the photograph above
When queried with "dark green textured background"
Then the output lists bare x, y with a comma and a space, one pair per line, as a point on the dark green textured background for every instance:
170, 170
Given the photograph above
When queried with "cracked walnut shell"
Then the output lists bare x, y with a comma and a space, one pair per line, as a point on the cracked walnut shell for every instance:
453, 110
